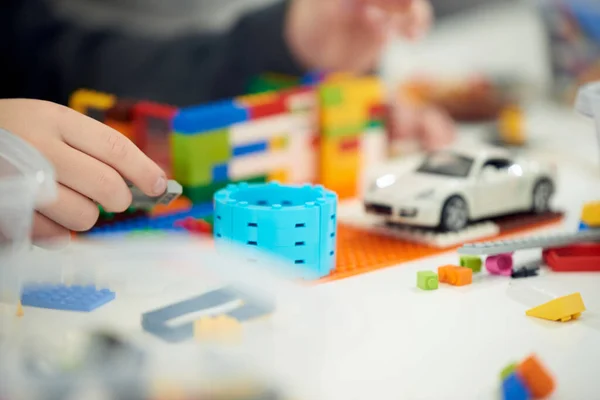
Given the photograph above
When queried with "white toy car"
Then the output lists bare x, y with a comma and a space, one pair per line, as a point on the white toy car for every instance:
451, 188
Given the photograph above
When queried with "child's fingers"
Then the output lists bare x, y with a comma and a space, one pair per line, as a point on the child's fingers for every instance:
71, 210
438, 129
90, 177
45, 231
416, 21
114, 149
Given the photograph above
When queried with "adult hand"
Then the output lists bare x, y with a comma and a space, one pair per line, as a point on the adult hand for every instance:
349, 35
91, 162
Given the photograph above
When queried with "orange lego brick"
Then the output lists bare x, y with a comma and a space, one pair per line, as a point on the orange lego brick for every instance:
537, 379
179, 204
455, 275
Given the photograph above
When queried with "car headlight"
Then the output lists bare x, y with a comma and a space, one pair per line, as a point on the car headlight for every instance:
426, 194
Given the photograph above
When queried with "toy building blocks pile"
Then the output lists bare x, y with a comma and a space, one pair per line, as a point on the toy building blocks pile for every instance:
526, 380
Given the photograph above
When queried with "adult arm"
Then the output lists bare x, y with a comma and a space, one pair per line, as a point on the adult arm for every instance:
47, 58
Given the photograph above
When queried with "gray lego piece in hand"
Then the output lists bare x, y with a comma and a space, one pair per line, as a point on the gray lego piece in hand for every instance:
545, 241
141, 200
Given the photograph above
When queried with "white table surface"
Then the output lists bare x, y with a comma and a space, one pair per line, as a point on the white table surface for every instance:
393, 341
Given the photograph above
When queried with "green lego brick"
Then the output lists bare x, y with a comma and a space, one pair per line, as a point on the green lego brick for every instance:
427, 280
375, 123
194, 156
343, 131
204, 193
271, 83
472, 262
508, 370
331, 96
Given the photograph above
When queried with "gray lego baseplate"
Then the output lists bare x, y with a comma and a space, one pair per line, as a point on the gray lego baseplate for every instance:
157, 322
531, 242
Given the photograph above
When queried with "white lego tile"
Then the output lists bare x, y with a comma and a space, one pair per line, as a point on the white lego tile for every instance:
266, 128
303, 101
258, 164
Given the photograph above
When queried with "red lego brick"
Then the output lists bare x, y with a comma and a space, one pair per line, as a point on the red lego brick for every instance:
143, 113
574, 258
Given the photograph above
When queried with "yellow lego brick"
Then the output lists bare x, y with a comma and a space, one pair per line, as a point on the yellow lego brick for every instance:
347, 114
280, 176
278, 143
257, 99
84, 99
590, 215
560, 309
511, 126
20, 311
222, 329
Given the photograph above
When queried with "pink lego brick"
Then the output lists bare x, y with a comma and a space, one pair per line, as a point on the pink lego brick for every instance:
500, 264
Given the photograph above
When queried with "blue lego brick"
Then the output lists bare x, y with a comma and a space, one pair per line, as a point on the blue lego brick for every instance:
259, 147
514, 389
583, 227
210, 117
68, 298
587, 13
312, 78
220, 173
295, 222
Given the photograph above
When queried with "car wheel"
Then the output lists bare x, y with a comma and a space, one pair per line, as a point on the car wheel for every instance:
455, 214
542, 193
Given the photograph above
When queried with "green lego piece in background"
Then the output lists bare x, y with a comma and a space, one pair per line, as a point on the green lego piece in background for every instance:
343, 131
204, 193
331, 96
508, 370
194, 156
472, 262
271, 83
427, 280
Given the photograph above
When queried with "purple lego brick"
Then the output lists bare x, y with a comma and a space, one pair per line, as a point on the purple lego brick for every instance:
66, 298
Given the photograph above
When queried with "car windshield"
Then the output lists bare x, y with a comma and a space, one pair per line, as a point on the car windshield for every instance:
448, 164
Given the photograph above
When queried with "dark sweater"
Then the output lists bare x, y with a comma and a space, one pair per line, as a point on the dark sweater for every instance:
47, 58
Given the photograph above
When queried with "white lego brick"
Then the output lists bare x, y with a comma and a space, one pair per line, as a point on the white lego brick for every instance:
303, 101
374, 146
303, 159
258, 164
266, 128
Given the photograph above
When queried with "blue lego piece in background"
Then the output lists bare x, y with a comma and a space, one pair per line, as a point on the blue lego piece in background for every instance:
220, 173
583, 226
295, 222
514, 389
159, 223
312, 78
258, 147
209, 117
587, 13
67, 298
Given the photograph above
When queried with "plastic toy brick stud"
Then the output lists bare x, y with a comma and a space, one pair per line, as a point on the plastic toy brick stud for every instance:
427, 280
560, 309
590, 215
536, 378
221, 329
499, 264
513, 388
472, 262
455, 275
67, 298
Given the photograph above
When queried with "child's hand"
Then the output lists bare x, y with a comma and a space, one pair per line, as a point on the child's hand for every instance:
91, 161
430, 126
349, 35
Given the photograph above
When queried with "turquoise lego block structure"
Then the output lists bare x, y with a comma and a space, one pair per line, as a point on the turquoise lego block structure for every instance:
514, 389
295, 222
67, 298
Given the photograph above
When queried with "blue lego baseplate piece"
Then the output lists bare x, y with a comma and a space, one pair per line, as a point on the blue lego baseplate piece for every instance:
514, 389
164, 223
66, 298
295, 222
